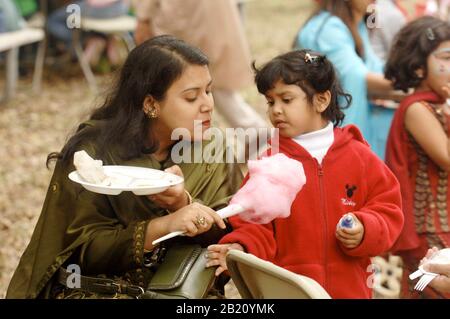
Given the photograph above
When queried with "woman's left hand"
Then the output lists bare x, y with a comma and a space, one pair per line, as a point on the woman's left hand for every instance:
442, 281
174, 197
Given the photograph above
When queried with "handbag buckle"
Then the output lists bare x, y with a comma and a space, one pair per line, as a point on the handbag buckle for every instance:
133, 290
119, 287
156, 257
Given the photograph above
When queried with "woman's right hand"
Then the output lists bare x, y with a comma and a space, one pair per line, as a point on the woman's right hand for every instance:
193, 219
442, 281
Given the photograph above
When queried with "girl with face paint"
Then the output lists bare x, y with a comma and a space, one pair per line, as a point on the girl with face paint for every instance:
418, 148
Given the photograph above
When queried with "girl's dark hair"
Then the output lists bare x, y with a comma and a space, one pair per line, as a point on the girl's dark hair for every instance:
149, 70
343, 10
410, 50
313, 75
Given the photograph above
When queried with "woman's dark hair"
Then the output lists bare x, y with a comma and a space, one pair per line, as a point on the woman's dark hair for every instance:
312, 72
149, 70
410, 50
343, 10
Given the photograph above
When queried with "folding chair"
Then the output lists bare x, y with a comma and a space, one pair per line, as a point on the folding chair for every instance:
120, 26
10, 43
259, 279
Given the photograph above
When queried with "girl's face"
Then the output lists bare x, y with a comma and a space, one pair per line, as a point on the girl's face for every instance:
187, 100
438, 65
290, 111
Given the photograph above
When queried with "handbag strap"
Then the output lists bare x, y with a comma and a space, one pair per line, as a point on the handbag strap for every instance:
100, 285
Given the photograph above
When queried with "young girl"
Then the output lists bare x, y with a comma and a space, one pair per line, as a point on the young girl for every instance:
343, 176
418, 145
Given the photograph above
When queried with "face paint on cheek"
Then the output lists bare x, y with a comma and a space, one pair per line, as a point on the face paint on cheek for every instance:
441, 69
440, 61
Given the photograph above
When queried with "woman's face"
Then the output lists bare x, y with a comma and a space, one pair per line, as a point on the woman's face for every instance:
187, 100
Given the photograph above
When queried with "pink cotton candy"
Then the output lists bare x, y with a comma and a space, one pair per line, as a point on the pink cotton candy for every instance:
272, 187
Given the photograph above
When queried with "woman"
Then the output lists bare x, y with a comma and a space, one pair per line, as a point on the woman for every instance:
338, 29
164, 84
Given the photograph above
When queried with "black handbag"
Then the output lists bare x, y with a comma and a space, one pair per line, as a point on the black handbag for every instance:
182, 274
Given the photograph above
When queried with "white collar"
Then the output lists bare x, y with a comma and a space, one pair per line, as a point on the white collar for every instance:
317, 142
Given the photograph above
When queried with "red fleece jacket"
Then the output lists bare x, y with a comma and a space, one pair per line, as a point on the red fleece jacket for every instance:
350, 179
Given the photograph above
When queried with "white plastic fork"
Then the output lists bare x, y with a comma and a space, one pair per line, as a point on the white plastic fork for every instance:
424, 281
416, 274
419, 272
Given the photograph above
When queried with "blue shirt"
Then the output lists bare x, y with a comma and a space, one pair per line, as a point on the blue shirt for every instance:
329, 35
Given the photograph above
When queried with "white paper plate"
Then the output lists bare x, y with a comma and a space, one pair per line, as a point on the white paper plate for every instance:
139, 180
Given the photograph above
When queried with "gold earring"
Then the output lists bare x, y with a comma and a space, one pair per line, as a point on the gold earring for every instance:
152, 114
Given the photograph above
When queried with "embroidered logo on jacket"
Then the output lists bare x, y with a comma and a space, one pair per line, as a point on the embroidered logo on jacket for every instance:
350, 191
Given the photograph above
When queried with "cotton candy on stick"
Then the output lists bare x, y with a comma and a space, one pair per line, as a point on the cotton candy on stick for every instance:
268, 194
272, 187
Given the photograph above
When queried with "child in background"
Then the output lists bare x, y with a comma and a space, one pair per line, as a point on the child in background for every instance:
95, 43
418, 149
391, 18
343, 176
340, 30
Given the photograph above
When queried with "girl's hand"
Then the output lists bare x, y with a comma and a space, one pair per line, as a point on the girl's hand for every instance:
217, 254
193, 219
175, 197
351, 237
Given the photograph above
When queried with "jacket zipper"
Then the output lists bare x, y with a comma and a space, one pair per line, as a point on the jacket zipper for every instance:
322, 208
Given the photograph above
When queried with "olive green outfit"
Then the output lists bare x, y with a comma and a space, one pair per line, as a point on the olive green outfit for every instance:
105, 234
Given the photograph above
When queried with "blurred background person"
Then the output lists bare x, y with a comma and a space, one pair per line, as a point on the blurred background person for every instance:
216, 28
391, 17
27, 8
417, 149
338, 29
95, 43
10, 17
